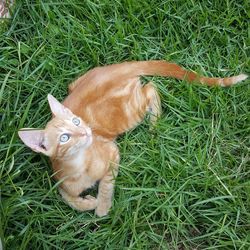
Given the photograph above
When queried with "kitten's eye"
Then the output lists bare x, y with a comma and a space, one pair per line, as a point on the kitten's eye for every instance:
64, 137
76, 121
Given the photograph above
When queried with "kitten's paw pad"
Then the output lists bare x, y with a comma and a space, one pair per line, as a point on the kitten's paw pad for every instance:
102, 209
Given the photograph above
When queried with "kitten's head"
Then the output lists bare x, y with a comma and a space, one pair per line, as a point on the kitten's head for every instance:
64, 136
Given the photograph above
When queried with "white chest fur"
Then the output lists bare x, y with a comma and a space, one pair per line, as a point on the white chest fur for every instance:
78, 161
78, 176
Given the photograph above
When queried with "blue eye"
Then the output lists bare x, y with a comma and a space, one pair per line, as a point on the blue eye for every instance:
64, 137
76, 121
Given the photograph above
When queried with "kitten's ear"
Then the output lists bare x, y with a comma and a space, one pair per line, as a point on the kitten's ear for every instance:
34, 139
57, 108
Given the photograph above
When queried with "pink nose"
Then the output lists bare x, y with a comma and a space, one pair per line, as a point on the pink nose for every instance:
86, 132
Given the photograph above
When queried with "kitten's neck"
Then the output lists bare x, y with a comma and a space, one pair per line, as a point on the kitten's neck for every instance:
70, 167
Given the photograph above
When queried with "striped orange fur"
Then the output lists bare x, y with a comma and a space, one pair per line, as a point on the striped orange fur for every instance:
112, 99
103, 103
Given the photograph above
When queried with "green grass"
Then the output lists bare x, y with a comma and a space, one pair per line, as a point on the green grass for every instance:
184, 185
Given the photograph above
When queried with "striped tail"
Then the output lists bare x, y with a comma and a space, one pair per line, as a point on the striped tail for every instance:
127, 70
163, 68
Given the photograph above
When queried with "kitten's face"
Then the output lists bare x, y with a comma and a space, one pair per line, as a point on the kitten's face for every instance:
64, 136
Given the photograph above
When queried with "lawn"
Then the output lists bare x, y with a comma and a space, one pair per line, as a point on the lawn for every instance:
183, 185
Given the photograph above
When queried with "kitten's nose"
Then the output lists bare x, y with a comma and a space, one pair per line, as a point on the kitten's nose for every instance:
86, 132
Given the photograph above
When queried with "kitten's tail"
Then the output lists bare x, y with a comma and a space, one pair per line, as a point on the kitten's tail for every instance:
163, 68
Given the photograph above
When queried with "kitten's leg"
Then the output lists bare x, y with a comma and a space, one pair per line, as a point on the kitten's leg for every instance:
79, 203
153, 102
105, 193
105, 189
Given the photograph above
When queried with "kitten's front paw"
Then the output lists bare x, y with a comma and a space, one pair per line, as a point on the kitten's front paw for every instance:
91, 202
102, 209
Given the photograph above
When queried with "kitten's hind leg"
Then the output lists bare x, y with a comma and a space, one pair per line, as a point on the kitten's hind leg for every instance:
79, 203
153, 102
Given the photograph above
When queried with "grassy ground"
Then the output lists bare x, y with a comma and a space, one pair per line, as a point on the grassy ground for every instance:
184, 185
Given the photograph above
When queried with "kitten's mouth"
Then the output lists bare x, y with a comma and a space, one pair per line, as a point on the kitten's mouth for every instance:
88, 132
89, 140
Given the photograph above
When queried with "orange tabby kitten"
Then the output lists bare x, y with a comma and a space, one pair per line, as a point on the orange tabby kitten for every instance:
103, 103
